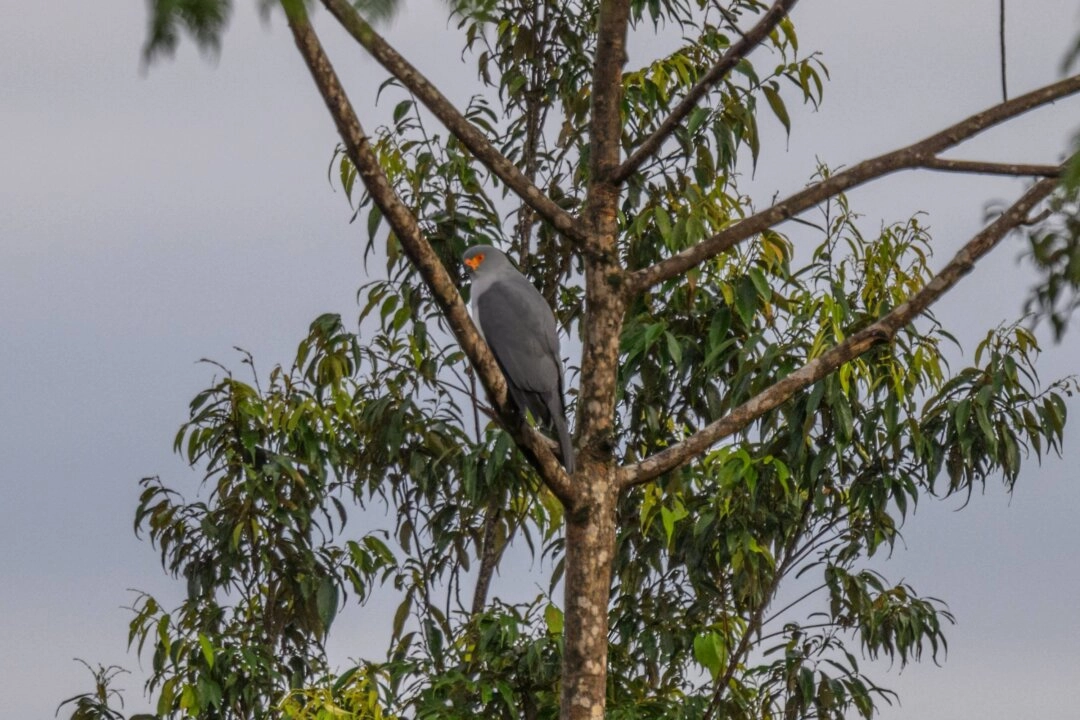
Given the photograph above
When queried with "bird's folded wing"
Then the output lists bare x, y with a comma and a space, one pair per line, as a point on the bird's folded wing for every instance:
520, 330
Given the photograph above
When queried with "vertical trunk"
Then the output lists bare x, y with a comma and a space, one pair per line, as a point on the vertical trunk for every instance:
590, 522
590, 547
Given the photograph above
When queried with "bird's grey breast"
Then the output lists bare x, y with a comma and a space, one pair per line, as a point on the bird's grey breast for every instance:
479, 286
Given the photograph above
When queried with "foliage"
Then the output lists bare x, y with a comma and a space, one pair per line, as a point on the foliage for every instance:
369, 467
97, 704
1055, 251
1055, 246
203, 20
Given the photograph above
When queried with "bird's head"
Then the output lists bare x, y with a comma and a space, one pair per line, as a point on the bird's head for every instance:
480, 258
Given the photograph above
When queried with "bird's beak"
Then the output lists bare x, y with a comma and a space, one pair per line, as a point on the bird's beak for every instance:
475, 261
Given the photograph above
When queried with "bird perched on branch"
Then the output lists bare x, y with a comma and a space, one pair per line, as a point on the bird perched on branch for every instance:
519, 327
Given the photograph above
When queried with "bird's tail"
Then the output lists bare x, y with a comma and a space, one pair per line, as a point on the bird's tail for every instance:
566, 445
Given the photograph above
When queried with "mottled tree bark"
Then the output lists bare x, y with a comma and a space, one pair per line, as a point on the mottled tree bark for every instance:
590, 524
590, 547
489, 559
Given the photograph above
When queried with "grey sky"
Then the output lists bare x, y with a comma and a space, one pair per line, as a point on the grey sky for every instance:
149, 221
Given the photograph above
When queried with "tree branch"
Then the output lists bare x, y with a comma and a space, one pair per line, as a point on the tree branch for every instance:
489, 558
421, 254
991, 168
734, 55
920, 154
881, 331
455, 122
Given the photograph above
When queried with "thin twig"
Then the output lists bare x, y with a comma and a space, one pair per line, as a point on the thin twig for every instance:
793, 603
991, 168
1001, 42
489, 557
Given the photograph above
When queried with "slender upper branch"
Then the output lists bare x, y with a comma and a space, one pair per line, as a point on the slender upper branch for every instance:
470, 136
920, 154
746, 43
991, 168
420, 252
882, 330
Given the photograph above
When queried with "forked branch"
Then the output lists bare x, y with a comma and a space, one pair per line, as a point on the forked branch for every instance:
470, 136
880, 331
922, 154
420, 252
734, 55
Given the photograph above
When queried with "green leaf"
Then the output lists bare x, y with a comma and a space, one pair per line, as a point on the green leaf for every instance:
772, 95
668, 518
553, 617
326, 601
401, 109
663, 223
696, 119
507, 695
709, 652
746, 301
673, 348
374, 219
400, 615
207, 650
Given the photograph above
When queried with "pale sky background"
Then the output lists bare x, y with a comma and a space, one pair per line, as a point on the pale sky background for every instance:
149, 220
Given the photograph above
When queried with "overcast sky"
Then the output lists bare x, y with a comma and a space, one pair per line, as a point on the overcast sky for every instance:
151, 219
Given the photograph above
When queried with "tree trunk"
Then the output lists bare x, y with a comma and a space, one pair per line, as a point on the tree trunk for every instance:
590, 517
590, 548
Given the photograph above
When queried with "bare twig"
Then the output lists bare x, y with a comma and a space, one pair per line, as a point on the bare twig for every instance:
991, 168
454, 121
793, 603
421, 254
881, 331
920, 154
1001, 43
746, 43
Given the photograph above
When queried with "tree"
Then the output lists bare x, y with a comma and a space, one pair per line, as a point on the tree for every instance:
750, 415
